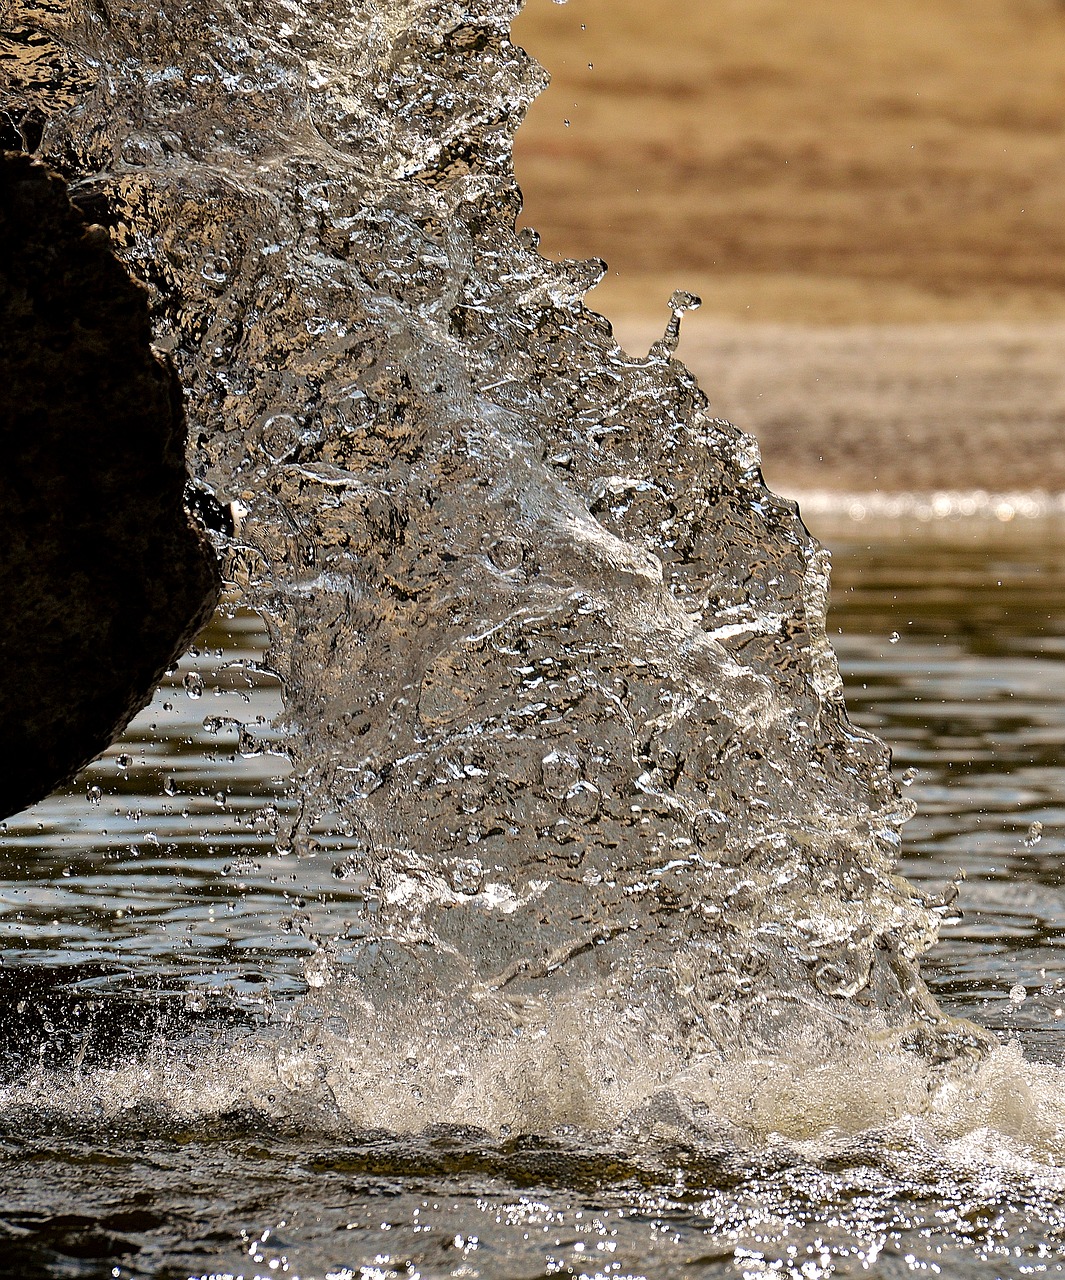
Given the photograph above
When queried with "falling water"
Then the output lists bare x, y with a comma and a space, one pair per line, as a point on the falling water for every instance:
558, 702
558, 696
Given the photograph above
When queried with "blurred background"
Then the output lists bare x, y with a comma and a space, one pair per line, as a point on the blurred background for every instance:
868, 196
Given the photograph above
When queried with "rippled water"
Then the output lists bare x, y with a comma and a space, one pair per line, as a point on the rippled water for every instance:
971, 695
970, 698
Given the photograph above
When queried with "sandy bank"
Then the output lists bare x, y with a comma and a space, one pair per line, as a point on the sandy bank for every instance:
890, 408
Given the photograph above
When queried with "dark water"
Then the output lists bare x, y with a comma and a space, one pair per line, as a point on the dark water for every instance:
151, 914
970, 699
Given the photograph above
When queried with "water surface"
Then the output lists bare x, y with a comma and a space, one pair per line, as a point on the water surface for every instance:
154, 895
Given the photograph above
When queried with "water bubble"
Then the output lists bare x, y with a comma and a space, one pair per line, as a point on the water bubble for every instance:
317, 970
561, 772
349, 869
93, 794
193, 683
710, 829
909, 776
582, 801
1018, 994
506, 553
123, 761
1034, 835
894, 638
467, 876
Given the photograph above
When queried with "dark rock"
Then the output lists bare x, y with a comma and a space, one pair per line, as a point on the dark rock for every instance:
103, 577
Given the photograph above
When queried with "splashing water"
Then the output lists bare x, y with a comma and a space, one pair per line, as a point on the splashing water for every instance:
558, 696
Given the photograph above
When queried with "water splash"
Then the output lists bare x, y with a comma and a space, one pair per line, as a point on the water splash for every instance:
558, 695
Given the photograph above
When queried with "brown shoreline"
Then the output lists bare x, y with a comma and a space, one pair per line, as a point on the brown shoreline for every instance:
885, 408
870, 199
832, 162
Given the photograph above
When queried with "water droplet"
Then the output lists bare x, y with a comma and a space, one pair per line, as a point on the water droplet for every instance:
93, 794
317, 970
1035, 834
1018, 994
123, 761
467, 876
909, 776
169, 786
681, 300
193, 683
582, 801
894, 638
561, 772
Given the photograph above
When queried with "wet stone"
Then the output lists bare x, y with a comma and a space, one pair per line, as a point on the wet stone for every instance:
104, 577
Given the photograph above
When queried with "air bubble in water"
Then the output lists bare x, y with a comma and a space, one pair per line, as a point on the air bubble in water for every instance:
561, 772
909, 776
1034, 835
894, 638
467, 876
317, 970
193, 683
93, 794
582, 801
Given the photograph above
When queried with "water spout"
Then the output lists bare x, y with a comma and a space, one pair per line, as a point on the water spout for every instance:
558, 694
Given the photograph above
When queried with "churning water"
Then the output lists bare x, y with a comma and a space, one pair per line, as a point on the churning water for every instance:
517, 897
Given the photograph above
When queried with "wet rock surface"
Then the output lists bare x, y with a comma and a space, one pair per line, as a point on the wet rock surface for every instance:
104, 578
